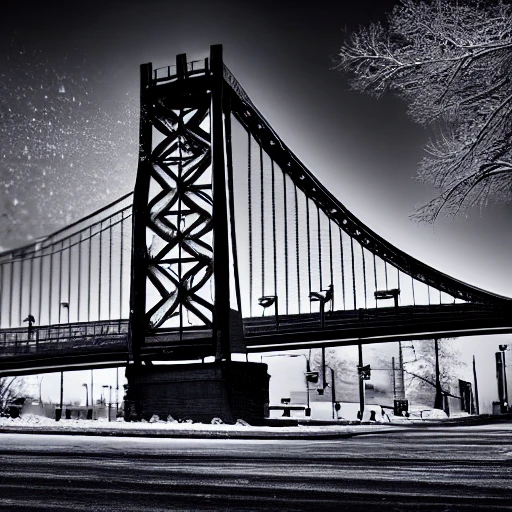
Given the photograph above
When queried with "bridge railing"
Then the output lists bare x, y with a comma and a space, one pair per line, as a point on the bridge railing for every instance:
169, 73
64, 337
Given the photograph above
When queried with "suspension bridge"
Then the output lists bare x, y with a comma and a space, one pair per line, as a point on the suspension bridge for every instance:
227, 245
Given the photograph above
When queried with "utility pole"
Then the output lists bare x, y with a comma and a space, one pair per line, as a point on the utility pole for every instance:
92, 391
61, 389
394, 378
477, 404
117, 391
401, 366
361, 382
438, 403
323, 368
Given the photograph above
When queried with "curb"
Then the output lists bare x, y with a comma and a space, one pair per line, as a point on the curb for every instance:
205, 434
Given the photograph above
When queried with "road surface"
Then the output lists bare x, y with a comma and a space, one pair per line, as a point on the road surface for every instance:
441, 468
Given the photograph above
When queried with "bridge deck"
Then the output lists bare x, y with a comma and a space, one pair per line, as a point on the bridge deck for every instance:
51, 348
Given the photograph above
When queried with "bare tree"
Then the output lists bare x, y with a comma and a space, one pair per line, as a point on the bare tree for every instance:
421, 374
10, 388
451, 61
345, 373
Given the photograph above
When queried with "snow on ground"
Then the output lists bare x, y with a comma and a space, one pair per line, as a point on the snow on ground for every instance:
32, 422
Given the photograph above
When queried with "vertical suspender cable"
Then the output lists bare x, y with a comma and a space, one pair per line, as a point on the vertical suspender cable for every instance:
121, 267
11, 277
342, 268
89, 276
79, 245
386, 273
99, 267
375, 277
61, 253
110, 269
309, 247
70, 261
30, 277
274, 227
249, 198
40, 311
428, 293
262, 210
319, 246
51, 287
297, 251
353, 271
330, 260
413, 298
364, 276
20, 311
285, 242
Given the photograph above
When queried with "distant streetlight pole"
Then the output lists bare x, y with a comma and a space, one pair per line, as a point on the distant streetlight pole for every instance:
117, 391
61, 389
86, 394
361, 382
477, 403
333, 390
438, 403
64, 305
503, 348
267, 301
92, 392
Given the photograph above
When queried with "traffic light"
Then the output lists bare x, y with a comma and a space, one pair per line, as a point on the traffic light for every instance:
364, 372
312, 377
320, 391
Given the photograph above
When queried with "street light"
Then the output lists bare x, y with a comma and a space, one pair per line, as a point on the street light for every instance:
323, 299
86, 394
268, 300
504, 406
333, 390
65, 305
388, 294
31, 321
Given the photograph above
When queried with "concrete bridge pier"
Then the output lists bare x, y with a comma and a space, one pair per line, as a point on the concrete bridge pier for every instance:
229, 390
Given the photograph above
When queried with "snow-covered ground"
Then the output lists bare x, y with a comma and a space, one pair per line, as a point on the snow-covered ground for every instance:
33, 423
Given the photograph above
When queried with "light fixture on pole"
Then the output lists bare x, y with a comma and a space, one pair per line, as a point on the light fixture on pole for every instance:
86, 394
270, 300
323, 298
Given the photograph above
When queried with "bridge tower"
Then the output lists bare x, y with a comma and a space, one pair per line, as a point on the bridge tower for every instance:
183, 261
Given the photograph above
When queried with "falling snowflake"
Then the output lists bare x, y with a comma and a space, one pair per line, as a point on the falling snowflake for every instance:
66, 150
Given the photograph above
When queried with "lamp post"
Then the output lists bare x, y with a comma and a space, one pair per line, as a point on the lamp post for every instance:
66, 306
323, 299
86, 394
333, 390
268, 300
505, 406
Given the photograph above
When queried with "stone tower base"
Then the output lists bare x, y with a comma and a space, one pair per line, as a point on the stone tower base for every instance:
229, 390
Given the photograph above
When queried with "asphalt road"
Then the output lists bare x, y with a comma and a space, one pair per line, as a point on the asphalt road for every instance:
450, 468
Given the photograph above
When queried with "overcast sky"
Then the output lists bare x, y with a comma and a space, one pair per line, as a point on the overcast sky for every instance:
282, 52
